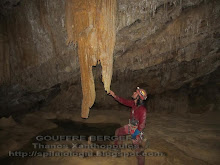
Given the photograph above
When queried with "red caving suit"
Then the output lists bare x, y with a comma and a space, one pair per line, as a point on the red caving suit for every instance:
139, 113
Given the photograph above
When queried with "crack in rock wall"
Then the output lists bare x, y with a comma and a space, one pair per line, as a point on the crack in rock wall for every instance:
4, 54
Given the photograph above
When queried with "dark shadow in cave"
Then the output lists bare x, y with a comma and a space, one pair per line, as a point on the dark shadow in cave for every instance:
64, 127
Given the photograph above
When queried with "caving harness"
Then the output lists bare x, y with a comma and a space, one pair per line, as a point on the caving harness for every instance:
133, 125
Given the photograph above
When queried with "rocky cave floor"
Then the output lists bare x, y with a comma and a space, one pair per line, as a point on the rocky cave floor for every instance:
186, 139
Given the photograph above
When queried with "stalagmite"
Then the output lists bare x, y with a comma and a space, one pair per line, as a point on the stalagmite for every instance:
91, 24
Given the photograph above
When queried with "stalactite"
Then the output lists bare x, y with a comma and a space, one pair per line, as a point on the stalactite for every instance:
91, 23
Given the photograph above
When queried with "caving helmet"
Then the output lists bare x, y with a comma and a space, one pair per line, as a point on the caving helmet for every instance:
142, 93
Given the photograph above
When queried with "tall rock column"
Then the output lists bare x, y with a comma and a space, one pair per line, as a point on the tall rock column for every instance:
91, 24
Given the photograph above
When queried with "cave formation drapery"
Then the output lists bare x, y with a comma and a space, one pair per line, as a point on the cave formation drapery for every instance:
91, 24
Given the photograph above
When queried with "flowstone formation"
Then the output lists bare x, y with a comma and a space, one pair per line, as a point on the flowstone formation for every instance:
91, 24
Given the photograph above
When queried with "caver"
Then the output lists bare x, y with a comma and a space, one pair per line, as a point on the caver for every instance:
137, 119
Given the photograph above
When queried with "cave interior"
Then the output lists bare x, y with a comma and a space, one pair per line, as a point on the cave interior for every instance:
60, 58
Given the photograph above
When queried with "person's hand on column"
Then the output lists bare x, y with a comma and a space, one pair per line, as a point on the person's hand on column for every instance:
112, 93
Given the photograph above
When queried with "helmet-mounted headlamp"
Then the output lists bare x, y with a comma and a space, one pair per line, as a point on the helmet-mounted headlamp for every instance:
142, 93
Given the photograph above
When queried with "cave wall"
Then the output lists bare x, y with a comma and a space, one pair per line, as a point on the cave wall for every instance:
170, 46
161, 46
198, 96
181, 48
39, 57
4, 53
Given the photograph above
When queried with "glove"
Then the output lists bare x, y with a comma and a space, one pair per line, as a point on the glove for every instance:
133, 136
